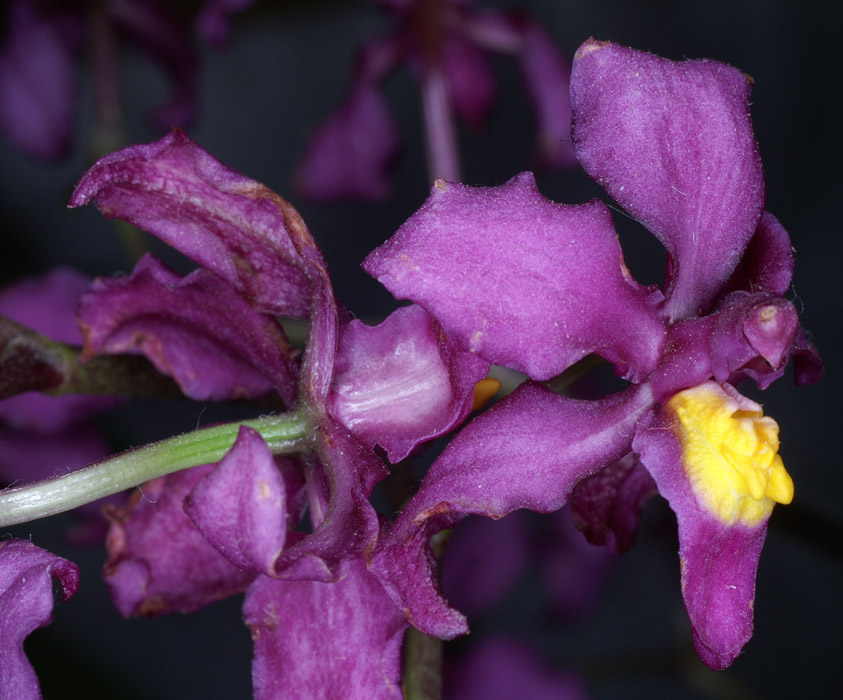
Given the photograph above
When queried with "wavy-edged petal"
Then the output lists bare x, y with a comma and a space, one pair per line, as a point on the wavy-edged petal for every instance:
26, 603
509, 274
158, 561
607, 506
672, 142
350, 155
402, 382
325, 640
240, 506
528, 451
196, 329
718, 560
233, 226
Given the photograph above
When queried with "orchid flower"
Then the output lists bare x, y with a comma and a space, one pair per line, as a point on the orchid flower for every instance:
537, 286
444, 41
204, 533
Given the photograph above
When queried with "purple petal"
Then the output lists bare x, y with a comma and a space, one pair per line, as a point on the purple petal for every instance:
403, 382
719, 557
502, 669
26, 603
240, 506
508, 273
167, 40
528, 451
350, 155
672, 142
483, 561
767, 265
607, 506
233, 226
470, 83
325, 640
37, 83
546, 76
158, 561
196, 329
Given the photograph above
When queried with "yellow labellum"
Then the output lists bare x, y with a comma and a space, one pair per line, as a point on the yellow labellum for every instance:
730, 453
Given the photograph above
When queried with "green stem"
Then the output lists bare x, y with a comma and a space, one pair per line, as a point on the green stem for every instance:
284, 433
423, 674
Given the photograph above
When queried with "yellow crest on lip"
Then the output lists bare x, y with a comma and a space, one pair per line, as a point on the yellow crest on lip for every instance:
730, 453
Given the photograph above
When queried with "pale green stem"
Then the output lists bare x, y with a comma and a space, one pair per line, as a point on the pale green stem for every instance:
283, 433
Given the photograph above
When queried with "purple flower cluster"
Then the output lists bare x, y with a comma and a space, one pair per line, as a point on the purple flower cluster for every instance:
497, 275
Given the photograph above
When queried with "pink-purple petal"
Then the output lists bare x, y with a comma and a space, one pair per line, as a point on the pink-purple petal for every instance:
767, 264
508, 274
26, 603
240, 506
196, 329
528, 451
402, 382
469, 80
350, 155
325, 640
672, 142
718, 561
231, 225
158, 561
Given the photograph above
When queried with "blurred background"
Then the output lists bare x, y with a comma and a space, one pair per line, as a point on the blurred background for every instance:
285, 69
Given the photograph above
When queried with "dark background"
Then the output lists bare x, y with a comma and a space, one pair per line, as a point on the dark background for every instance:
285, 70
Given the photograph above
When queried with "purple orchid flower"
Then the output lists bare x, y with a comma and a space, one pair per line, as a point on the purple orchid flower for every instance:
350, 155
536, 286
205, 533
26, 603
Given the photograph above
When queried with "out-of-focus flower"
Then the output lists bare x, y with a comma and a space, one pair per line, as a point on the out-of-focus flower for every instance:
444, 42
26, 603
546, 285
218, 529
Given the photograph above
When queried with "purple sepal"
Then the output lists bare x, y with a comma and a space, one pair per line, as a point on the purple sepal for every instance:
26, 603
546, 76
718, 561
607, 506
672, 142
508, 273
231, 225
470, 83
325, 640
350, 155
158, 561
501, 669
37, 82
240, 506
196, 329
402, 382
544, 444
767, 265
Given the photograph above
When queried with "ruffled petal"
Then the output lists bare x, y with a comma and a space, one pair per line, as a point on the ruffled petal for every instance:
546, 77
403, 382
508, 273
607, 506
231, 225
720, 536
501, 669
37, 83
351, 154
240, 506
528, 451
158, 561
325, 640
195, 329
26, 603
672, 142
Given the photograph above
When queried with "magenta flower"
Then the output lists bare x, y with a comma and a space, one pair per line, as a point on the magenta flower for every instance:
536, 286
208, 532
444, 42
